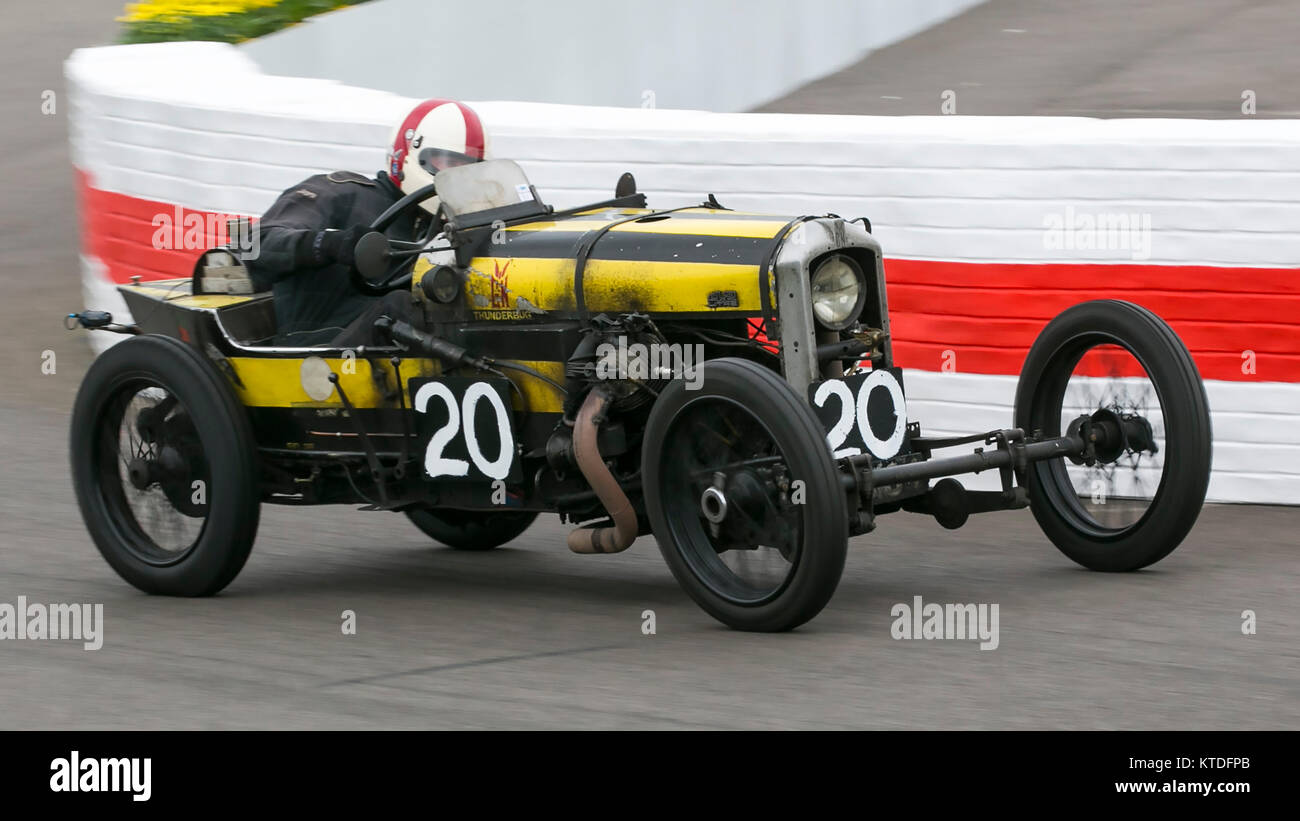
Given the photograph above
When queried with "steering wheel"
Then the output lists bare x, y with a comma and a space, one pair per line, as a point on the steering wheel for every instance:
379, 262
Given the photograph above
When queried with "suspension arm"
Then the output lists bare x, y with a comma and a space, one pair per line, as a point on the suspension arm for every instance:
1012, 452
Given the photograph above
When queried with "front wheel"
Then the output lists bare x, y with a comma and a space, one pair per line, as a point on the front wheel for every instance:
744, 498
1119, 363
165, 468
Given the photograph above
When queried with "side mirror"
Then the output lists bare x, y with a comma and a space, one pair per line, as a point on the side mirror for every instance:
372, 255
626, 185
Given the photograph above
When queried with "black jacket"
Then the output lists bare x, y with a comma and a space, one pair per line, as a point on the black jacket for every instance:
314, 297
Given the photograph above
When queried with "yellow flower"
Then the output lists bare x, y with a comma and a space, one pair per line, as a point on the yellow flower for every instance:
181, 9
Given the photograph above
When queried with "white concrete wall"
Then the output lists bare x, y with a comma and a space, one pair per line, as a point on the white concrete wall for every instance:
719, 55
198, 124
213, 132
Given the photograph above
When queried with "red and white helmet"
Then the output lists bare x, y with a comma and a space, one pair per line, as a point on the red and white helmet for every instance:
437, 134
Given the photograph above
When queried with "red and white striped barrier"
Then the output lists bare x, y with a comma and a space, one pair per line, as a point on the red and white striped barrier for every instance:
991, 225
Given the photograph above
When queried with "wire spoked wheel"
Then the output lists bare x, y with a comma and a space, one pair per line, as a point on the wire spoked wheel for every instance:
1136, 496
1115, 493
165, 468
152, 472
743, 497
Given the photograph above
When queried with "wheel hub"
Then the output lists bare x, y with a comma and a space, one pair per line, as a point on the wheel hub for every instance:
1138, 433
713, 504
741, 512
1110, 434
1107, 433
140, 473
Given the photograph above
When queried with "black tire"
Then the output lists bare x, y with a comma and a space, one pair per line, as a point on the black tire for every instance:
766, 417
471, 529
1166, 518
203, 435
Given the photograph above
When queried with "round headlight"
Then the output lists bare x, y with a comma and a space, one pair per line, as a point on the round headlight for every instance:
838, 290
441, 284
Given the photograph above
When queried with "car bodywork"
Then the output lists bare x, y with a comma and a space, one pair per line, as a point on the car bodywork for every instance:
530, 292
775, 424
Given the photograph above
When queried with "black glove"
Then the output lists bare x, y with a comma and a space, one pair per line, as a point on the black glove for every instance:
338, 246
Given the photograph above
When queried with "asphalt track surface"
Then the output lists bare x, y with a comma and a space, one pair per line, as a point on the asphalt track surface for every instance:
531, 636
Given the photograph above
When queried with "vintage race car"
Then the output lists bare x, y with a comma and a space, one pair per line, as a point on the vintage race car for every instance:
724, 381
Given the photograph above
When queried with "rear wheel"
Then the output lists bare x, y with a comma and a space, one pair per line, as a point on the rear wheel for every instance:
469, 529
744, 498
1122, 365
164, 467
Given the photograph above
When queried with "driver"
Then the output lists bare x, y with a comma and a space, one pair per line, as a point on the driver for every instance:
309, 235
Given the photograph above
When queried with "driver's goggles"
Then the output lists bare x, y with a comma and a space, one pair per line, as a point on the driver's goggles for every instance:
434, 160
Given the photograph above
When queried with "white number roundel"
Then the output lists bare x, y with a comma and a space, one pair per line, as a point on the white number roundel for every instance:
853, 415
460, 421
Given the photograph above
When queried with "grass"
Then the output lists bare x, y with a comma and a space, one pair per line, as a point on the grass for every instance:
230, 27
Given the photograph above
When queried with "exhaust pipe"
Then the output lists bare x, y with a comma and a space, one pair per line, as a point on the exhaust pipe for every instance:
600, 539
